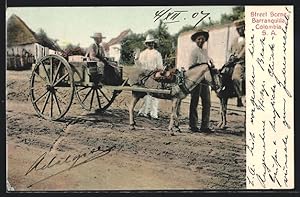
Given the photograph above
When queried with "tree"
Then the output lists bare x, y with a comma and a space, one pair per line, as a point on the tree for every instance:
237, 13
166, 42
129, 44
42, 34
43, 37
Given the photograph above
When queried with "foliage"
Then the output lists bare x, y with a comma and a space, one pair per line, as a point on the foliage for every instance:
49, 42
166, 43
129, 44
42, 34
71, 49
237, 13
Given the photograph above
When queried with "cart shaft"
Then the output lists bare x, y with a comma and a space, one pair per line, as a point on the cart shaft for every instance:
138, 89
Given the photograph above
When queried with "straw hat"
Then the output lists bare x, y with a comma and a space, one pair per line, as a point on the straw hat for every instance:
150, 38
198, 33
97, 35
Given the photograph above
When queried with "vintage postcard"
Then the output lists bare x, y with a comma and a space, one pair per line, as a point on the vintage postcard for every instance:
150, 98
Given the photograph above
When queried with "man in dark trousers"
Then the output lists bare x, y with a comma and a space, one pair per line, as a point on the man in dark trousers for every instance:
199, 55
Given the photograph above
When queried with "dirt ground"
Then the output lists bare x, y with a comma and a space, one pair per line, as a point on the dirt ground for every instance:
90, 151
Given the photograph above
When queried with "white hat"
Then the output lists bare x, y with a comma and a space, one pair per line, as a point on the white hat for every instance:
150, 38
97, 35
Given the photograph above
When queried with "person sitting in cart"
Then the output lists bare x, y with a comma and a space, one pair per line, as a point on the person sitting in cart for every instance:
150, 59
95, 52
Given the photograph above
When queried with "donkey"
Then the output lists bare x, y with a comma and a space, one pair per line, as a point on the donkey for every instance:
193, 77
227, 88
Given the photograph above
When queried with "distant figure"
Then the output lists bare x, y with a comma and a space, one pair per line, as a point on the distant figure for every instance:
150, 59
237, 51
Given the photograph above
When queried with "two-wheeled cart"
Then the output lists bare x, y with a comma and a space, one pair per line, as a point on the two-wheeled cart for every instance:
55, 81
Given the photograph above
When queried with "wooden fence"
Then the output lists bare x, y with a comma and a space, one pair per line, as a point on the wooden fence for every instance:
19, 62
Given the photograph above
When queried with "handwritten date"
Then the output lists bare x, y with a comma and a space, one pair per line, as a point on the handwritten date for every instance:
174, 16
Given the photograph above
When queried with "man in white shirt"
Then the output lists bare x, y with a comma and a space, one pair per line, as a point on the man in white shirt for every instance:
198, 56
150, 59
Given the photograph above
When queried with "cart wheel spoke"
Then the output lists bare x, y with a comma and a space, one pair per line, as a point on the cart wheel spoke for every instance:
87, 85
104, 95
45, 103
61, 97
51, 105
103, 99
46, 73
57, 70
98, 99
57, 103
87, 95
62, 78
35, 73
36, 100
51, 71
81, 89
91, 105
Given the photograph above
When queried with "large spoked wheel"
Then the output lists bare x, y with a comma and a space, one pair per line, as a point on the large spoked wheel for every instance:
52, 87
95, 97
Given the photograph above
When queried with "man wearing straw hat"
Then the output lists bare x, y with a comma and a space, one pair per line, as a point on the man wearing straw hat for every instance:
237, 51
95, 51
199, 55
150, 59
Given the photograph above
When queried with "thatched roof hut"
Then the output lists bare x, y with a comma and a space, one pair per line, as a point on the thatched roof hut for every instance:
24, 46
18, 33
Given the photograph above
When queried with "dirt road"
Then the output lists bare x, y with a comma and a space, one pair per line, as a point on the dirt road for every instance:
88, 151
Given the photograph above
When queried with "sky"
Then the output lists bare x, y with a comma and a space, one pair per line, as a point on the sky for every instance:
76, 24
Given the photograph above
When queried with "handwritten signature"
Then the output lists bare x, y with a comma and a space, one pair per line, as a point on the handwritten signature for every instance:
175, 16
71, 161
